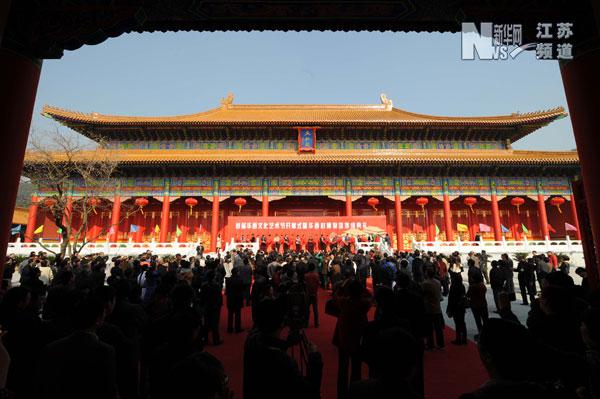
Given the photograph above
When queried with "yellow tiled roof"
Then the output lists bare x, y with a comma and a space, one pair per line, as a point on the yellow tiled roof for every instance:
229, 113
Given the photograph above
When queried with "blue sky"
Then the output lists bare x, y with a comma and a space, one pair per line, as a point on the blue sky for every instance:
163, 74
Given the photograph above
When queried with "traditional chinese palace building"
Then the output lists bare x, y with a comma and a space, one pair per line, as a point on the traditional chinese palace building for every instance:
441, 174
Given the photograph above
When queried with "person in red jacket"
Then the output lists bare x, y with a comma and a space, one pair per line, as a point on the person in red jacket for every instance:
312, 281
553, 259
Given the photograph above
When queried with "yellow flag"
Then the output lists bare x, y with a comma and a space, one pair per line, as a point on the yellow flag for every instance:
156, 229
462, 227
39, 230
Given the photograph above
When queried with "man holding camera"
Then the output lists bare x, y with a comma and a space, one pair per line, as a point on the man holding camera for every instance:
269, 372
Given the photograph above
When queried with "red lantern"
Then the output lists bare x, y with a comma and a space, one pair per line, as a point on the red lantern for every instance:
240, 202
422, 201
517, 201
141, 202
50, 202
557, 201
373, 202
191, 202
93, 202
470, 201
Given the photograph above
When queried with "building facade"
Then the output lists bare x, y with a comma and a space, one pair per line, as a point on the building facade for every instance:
447, 177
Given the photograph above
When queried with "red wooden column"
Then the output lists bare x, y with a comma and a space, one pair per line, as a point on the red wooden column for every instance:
164, 221
265, 205
398, 209
348, 197
19, 78
114, 220
542, 216
348, 205
496, 218
447, 212
214, 229
574, 217
470, 225
495, 212
581, 80
32, 219
448, 218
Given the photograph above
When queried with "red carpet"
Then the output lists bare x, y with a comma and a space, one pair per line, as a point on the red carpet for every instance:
448, 373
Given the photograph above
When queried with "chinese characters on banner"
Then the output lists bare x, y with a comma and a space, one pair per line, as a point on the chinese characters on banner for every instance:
307, 138
309, 226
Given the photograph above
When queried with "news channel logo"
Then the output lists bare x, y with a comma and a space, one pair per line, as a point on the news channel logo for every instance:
498, 42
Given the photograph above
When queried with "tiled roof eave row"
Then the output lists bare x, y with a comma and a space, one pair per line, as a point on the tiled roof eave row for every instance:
357, 161
409, 122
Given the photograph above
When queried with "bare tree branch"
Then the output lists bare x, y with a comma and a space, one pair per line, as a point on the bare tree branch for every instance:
74, 178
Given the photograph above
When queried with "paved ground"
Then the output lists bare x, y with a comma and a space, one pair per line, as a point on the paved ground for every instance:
519, 310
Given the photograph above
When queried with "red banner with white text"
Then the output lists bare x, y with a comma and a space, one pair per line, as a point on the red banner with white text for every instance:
307, 226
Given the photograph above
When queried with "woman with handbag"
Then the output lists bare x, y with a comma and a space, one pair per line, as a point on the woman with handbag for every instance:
457, 305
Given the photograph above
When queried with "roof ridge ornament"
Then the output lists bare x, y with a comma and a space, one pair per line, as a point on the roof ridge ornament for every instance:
226, 102
386, 101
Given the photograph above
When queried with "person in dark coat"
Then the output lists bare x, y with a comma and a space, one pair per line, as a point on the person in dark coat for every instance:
418, 269
211, 298
473, 272
526, 279
246, 278
88, 362
234, 289
456, 308
497, 279
301, 268
259, 290
509, 286
410, 306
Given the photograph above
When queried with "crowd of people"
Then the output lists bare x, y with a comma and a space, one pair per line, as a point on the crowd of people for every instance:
136, 327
